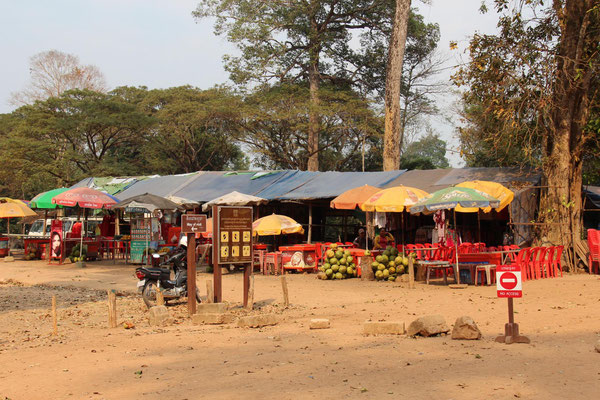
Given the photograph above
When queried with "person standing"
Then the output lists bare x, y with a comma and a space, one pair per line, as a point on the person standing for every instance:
361, 240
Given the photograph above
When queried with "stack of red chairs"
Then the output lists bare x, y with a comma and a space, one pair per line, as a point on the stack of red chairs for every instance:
594, 246
539, 262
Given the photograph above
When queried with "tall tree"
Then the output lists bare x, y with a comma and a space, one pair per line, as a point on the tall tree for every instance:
53, 73
296, 41
275, 121
392, 141
428, 152
196, 130
537, 83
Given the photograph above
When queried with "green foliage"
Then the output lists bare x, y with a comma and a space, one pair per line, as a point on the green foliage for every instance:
429, 152
275, 121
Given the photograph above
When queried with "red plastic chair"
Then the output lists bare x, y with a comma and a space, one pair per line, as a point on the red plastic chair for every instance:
464, 248
522, 260
556, 262
594, 247
534, 261
478, 247
547, 263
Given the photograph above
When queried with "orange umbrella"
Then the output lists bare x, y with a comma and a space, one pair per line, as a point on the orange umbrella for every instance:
353, 198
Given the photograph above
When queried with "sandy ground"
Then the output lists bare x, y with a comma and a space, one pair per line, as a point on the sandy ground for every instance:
87, 360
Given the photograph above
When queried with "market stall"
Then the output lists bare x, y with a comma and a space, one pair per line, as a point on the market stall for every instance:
11, 208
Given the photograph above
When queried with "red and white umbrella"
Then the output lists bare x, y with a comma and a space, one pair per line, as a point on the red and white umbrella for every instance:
84, 197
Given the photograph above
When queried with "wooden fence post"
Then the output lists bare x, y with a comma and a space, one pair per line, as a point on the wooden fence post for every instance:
286, 298
54, 317
112, 308
210, 294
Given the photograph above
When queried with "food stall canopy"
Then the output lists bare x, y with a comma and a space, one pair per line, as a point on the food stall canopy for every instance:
110, 185
160, 185
146, 201
330, 184
234, 199
207, 186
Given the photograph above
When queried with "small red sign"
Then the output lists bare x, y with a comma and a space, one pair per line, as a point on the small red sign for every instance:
508, 281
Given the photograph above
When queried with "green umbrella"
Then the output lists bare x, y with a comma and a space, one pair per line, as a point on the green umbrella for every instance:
44, 200
448, 199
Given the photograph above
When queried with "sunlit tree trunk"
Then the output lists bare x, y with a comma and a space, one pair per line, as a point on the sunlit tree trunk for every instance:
392, 141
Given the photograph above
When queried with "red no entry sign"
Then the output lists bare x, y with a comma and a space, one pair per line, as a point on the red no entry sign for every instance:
508, 281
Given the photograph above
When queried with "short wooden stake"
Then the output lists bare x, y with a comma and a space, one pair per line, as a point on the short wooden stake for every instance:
160, 298
54, 317
210, 294
250, 304
112, 308
411, 273
286, 298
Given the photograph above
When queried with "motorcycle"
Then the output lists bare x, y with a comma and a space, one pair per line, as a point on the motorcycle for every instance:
153, 279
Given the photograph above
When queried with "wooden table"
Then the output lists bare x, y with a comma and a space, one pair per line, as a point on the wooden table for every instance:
443, 265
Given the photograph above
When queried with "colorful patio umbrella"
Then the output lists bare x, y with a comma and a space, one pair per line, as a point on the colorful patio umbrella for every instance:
44, 199
276, 225
234, 199
353, 198
11, 208
394, 199
84, 197
148, 202
448, 199
494, 189
451, 197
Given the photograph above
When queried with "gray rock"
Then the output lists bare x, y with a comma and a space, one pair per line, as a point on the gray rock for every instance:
465, 329
428, 325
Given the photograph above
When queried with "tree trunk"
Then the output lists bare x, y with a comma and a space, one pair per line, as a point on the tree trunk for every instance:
392, 140
561, 205
313, 117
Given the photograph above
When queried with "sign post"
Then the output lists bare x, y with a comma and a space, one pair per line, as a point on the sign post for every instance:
190, 225
232, 244
509, 285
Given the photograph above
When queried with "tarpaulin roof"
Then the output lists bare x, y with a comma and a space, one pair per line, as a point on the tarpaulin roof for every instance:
431, 180
110, 185
286, 183
593, 194
161, 185
330, 184
209, 185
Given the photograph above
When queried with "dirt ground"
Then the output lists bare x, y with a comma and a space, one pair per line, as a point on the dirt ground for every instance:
87, 360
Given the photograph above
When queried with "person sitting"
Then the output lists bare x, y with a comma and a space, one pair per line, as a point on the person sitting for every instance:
383, 240
361, 240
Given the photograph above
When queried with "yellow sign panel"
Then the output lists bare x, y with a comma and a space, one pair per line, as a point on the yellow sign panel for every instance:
224, 236
224, 251
235, 236
235, 251
246, 251
246, 236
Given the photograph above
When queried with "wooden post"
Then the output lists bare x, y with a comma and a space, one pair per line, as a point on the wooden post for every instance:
218, 292
191, 273
250, 303
310, 222
112, 308
247, 270
160, 298
54, 317
366, 271
210, 294
286, 298
411, 273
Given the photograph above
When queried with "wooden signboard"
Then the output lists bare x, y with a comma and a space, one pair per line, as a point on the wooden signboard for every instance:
193, 223
232, 244
234, 235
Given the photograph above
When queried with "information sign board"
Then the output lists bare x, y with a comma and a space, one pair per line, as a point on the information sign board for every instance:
193, 223
233, 235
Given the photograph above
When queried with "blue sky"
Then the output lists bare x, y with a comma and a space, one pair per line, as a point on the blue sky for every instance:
157, 43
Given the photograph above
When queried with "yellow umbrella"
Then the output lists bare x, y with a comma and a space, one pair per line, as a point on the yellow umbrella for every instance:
10, 208
394, 199
276, 225
493, 189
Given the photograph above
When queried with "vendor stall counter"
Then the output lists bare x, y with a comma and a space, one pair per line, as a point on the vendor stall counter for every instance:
299, 257
3, 246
